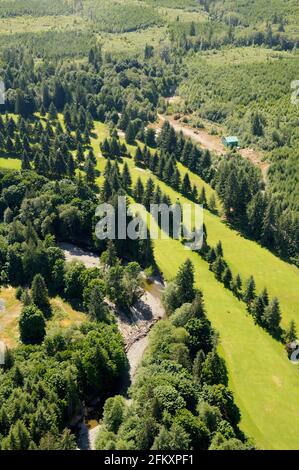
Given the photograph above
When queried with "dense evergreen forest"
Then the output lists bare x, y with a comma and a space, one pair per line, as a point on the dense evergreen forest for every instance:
54, 198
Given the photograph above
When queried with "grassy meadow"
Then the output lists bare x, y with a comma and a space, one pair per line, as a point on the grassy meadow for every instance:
63, 316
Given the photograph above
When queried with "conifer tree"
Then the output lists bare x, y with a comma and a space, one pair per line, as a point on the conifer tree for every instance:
138, 191
186, 186
227, 278
194, 194
150, 137
124, 121
218, 267
290, 334
96, 306
219, 249
237, 286
92, 156
272, 316
130, 134
58, 164
109, 257
146, 156
18, 437
52, 113
42, 110
212, 204
80, 154
32, 325
108, 168
70, 165
20, 107
198, 365
46, 100
138, 158
185, 282
258, 309
153, 164
126, 178
249, 293
265, 297
9, 147
255, 214
106, 191
211, 256
157, 197
25, 162
105, 148
269, 225
39, 294
148, 194
203, 197
123, 150
89, 168
192, 29
115, 148
176, 180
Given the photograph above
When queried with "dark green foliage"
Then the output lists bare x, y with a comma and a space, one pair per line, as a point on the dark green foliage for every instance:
163, 414
57, 374
214, 370
185, 282
130, 134
249, 292
32, 325
272, 316
113, 413
39, 295
291, 332
120, 18
95, 302
200, 335
196, 430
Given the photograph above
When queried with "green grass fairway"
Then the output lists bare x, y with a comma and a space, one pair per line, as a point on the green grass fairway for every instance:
265, 384
247, 257
10, 163
244, 256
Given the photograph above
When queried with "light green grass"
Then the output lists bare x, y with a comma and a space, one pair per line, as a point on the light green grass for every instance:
264, 382
249, 258
239, 55
10, 163
30, 24
184, 16
243, 256
132, 43
262, 379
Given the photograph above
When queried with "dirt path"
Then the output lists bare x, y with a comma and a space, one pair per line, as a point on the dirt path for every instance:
145, 314
75, 253
214, 144
201, 136
257, 159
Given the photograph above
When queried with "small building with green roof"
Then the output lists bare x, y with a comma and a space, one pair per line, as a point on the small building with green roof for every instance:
231, 141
